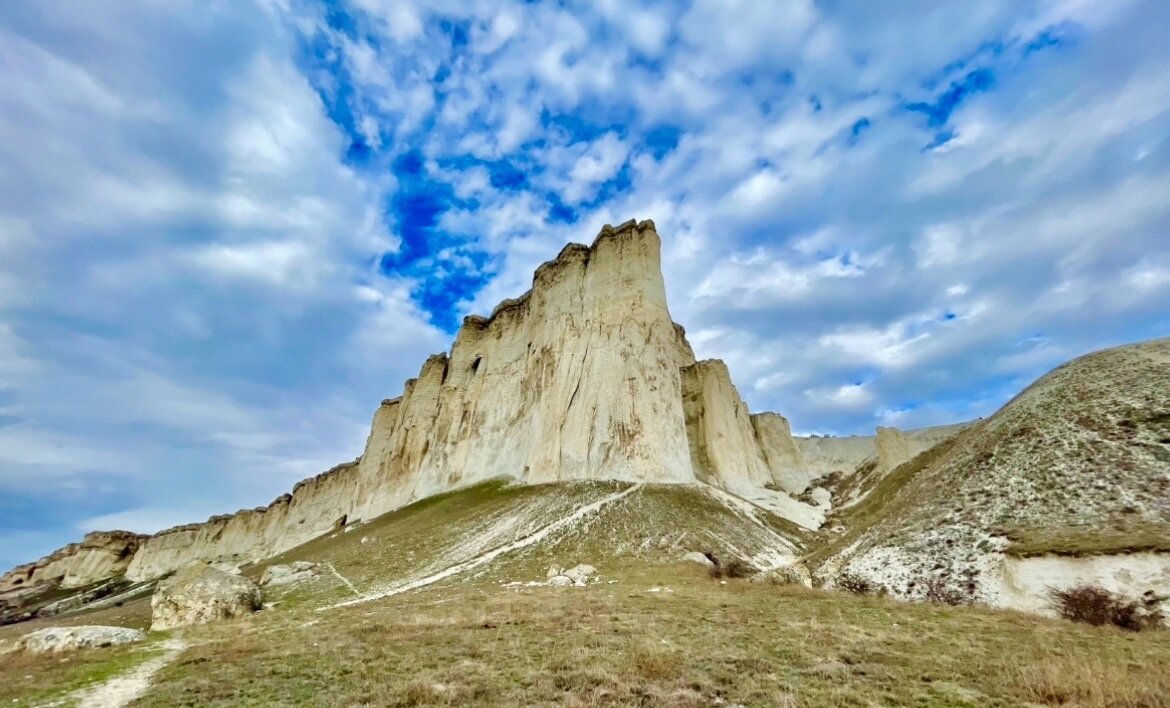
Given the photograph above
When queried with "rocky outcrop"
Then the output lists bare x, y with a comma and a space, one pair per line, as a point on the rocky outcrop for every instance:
99, 556
889, 448
723, 444
789, 470
315, 507
57, 639
289, 574
576, 379
585, 376
200, 594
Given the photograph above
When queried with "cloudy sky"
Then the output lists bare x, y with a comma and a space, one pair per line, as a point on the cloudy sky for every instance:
228, 229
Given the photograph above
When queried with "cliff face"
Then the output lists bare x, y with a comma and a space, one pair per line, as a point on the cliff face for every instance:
583, 377
576, 379
100, 555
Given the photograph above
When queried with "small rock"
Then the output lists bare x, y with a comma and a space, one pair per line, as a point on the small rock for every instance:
365, 539
553, 571
55, 639
560, 581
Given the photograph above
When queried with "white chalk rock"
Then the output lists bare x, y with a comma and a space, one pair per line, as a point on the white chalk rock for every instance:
278, 575
56, 639
696, 557
201, 594
580, 574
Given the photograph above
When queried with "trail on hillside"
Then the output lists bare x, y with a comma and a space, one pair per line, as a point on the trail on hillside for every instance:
491, 555
123, 689
342, 578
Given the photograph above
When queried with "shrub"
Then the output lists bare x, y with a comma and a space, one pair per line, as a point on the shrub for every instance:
938, 591
731, 568
854, 583
1097, 606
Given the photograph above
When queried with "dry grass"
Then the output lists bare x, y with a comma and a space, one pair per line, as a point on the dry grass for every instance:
618, 644
1136, 537
1090, 682
33, 679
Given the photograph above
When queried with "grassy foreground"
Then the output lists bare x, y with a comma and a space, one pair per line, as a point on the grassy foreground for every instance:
652, 631
691, 642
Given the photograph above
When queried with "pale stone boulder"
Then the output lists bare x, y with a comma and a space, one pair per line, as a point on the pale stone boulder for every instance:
696, 557
290, 574
57, 639
201, 594
580, 574
560, 581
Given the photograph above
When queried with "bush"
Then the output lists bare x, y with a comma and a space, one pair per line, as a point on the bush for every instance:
731, 568
854, 583
1097, 606
938, 591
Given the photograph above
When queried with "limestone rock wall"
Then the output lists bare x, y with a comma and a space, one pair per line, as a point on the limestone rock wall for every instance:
315, 507
889, 448
789, 470
722, 440
893, 448
576, 379
100, 555
585, 376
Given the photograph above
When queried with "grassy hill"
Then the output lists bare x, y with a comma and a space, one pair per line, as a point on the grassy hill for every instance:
651, 630
1076, 464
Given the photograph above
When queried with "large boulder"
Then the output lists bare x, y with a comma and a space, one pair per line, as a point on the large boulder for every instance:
200, 594
56, 639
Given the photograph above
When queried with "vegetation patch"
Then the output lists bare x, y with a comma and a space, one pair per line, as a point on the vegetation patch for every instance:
1076, 541
1097, 606
33, 679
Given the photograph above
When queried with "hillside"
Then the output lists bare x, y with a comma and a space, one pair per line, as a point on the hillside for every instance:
649, 629
1077, 465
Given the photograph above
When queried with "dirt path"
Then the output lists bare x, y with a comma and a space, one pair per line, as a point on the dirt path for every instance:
121, 690
482, 559
342, 578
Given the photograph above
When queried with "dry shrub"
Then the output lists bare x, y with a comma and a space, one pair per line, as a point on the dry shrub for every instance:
656, 663
1089, 682
854, 583
938, 591
1097, 606
421, 693
730, 568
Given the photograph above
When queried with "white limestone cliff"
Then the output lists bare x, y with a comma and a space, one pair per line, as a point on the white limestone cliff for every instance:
100, 555
585, 376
